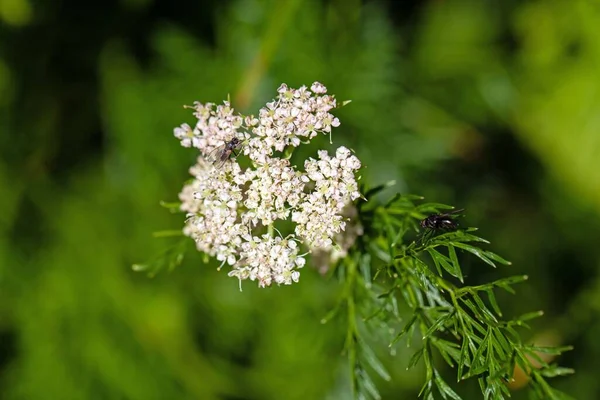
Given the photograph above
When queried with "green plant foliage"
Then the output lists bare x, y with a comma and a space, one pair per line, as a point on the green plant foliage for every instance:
488, 105
463, 324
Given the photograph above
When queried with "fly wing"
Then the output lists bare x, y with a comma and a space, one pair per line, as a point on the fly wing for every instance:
219, 155
448, 214
221, 161
215, 156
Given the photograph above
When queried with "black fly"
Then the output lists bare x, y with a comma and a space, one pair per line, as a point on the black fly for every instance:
440, 222
219, 155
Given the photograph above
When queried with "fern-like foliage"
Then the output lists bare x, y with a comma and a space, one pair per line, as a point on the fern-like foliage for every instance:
463, 324
396, 265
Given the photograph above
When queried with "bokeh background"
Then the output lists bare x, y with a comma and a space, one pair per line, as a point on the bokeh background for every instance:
491, 105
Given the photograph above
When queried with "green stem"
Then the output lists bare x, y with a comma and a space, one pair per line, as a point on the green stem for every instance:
351, 337
275, 29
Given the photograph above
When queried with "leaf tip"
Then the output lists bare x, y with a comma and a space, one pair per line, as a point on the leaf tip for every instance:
138, 267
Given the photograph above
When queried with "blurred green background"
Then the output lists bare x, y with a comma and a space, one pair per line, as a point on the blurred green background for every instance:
491, 105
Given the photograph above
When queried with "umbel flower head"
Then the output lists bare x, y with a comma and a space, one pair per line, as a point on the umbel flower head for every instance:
232, 210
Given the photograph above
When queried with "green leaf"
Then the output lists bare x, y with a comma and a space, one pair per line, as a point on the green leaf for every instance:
547, 392
555, 394
537, 390
376, 313
492, 299
497, 258
500, 283
441, 260
548, 350
171, 206
367, 383
410, 197
402, 211
399, 235
483, 308
477, 312
507, 288
365, 267
481, 254
422, 272
397, 198
464, 360
427, 389
427, 361
553, 371
376, 189
434, 255
511, 280
447, 349
438, 324
332, 313
444, 389
168, 259
414, 359
530, 316
473, 324
168, 233
388, 223
404, 330
454, 259
507, 348
478, 365
459, 236
433, 207
380, 253
373, 361
394, 306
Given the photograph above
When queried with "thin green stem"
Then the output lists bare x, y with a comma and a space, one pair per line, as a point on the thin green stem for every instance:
351, 338
271, 230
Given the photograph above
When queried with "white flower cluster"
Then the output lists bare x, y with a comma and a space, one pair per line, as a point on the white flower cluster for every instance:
319, 215
232, 210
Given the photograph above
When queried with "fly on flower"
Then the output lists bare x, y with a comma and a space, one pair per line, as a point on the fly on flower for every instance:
228, 211
219, 155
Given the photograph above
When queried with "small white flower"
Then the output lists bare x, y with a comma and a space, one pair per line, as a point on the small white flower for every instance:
228, 208
318, 88
185, 134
